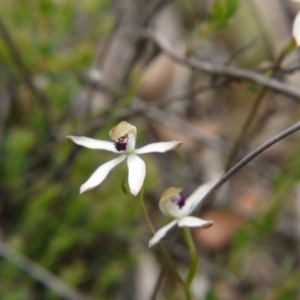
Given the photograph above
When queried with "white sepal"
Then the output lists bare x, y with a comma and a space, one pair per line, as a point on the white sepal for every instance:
93, 143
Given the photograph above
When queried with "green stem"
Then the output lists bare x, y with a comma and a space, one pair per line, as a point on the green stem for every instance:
161, 247
194, 255
144, 211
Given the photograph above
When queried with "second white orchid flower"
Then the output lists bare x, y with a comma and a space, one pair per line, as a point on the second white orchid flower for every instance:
124, 137
173, 205
296, 27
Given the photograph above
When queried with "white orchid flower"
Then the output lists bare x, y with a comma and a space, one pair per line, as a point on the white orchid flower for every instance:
123, 136
173, 205
296, 29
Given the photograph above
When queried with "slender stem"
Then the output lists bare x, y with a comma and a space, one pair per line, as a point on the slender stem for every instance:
158, 283
144, 211
161, 247
194, 256
250, 156
249, 120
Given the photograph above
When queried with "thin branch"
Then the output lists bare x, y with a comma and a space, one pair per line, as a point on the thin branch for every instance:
179, 124
290, 70
218, 69
39, 273
252, 114
250, 157
139, 107
241, 51
158, 282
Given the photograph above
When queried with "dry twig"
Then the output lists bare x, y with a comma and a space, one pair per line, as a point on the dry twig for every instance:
221, 70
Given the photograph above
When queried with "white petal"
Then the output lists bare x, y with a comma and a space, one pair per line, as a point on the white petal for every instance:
161, 233
194, 222
93, 143
159, 147
100, 174
137, 172
196, 197
296, 29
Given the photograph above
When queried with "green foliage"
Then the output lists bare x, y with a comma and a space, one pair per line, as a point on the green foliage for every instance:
210, 296
219, 16
84, 239
289, 288
17, 146
221, 12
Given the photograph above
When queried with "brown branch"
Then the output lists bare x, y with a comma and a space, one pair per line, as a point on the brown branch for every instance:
218, 69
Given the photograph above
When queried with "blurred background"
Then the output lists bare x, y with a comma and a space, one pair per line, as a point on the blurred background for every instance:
80, 67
